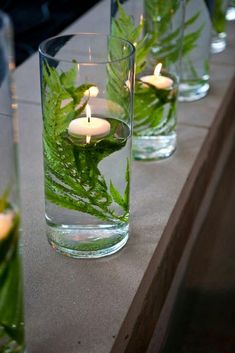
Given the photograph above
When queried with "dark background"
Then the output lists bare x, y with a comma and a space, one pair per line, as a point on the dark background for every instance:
36, 20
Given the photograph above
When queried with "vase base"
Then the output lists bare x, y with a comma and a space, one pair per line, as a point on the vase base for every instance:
87, 241
230, 15
189, 92
154, 147
218, 43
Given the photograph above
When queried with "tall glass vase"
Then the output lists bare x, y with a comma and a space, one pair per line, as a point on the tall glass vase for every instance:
194, 81
155, 29
87, 96
11, 307
218, 43
163, 22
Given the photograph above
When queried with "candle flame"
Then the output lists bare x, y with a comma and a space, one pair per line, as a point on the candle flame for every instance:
88, 112
88, 139
157, 69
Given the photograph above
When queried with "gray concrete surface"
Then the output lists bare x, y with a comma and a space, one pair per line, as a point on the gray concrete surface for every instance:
79, 306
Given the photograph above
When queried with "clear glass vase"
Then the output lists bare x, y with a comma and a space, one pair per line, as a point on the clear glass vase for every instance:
87, 97
230, 14
155, 29
218, 42
11, 300
194, 81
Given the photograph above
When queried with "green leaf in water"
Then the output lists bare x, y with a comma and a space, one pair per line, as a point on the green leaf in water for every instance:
11, 298
72, 176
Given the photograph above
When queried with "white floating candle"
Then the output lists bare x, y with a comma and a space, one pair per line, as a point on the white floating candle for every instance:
6, 222
89, 126
160, 82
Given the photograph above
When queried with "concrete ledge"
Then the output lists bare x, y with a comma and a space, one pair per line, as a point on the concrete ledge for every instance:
153, 291
113, 304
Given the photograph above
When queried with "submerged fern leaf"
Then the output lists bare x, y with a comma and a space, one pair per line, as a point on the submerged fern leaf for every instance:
72, 177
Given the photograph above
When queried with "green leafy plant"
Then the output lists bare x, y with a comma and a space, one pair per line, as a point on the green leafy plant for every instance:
218, 16
11, 310
151, 37
149, 109
124, 27
72, 176
153, 108
190, 40
149, 33
166, 46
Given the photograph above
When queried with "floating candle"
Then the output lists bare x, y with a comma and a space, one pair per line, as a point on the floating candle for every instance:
160, 82
89, 126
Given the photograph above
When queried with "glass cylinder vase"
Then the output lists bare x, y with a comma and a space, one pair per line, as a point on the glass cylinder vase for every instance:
230, 14
194, 80
87, 98
11, 300
155, 29
219, 35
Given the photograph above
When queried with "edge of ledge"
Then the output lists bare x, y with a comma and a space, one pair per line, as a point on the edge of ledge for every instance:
142, 317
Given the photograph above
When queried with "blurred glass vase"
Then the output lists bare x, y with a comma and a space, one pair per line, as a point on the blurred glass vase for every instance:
155, 29
218, 42
194, 81
11, 285
155, 115
230, 14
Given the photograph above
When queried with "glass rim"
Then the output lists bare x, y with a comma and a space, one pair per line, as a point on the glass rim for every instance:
43, 52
